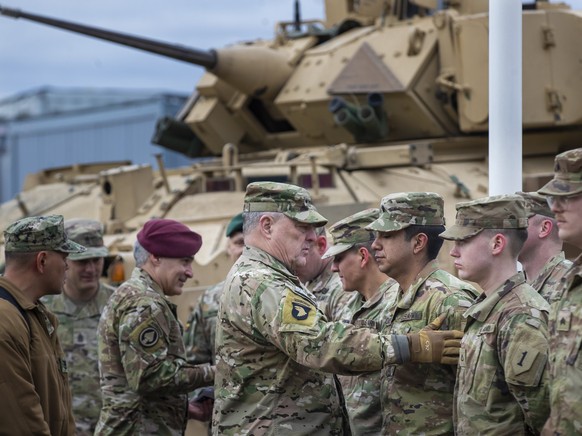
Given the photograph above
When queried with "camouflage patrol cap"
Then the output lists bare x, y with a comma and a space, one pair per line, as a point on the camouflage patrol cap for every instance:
351, 231
405, 209
496, 212
39, 233
567, 175
536, 204
89, 234
293, 201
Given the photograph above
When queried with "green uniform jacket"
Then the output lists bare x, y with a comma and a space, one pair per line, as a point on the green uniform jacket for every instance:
144, 374
501, 380
77, 333
418, 398
33, 381
362, 392
272, 344
566, 357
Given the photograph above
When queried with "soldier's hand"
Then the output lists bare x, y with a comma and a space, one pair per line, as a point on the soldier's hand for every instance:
200, 410
434, 346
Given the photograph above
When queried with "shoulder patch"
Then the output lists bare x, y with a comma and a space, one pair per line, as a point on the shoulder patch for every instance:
298, 310
149, 337
526, 366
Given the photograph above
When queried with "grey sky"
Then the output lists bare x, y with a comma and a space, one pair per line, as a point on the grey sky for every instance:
34, 55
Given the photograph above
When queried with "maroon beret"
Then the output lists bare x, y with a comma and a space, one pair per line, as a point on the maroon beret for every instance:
169, 238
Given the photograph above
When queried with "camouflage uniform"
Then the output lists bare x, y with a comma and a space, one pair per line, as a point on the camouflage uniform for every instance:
328, 292
547, 281
144, 374
565, 329
77, 332
363, 392
272, 342
565, 323
201, 327
418, 398
77, 329
501, 380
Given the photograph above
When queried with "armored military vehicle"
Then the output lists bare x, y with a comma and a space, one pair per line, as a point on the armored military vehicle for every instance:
379, 97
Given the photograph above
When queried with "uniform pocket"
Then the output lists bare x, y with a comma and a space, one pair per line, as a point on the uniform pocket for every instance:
482, 370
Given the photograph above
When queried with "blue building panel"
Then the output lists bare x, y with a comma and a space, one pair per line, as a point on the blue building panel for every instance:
119, 131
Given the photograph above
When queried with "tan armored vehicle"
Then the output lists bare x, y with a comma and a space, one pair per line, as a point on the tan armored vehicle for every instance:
384, 96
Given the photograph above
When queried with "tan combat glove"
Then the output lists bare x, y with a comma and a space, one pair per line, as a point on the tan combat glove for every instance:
431, 345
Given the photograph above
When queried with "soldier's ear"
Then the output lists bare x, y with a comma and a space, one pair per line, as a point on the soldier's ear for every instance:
41, 260
266, 225
546, 228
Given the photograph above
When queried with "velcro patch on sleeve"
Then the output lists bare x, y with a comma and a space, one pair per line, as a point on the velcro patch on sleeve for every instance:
148, 337
526, 366
298, 311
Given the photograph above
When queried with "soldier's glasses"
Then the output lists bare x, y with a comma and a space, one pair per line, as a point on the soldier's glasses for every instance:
562, 200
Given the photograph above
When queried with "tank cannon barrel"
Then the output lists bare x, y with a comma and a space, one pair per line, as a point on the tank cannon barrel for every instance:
256, 71
206, 59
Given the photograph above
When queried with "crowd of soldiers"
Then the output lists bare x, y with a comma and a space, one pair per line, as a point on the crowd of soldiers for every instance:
365, 335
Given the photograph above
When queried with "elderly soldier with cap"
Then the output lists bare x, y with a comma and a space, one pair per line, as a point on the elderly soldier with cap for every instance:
418, 398
372, 294
145, 377
78, 309
543, 260
501, 382
272, 342
33, 373
564, 194
317, 276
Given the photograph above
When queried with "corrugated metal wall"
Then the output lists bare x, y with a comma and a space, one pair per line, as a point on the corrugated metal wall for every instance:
120, 131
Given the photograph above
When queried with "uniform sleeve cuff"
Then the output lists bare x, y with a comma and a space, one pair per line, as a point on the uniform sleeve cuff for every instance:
401, 348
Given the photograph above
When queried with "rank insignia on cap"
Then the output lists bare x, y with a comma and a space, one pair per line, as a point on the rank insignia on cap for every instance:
149, 337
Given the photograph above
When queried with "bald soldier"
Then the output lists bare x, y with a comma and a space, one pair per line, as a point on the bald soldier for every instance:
78, 309
501, 379
542, 258
372, 295
34, 386
564, 195
273, 344
417, 398
145, 377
